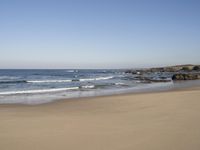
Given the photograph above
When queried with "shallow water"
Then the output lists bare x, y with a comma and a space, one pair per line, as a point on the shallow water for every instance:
42, 86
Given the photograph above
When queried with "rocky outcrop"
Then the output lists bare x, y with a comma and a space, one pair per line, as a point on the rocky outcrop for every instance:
162, 74
138, 72
196, 68
182, 76
173, 69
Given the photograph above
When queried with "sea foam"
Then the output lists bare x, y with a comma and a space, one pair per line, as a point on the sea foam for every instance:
38, 91
48, 81
96, 79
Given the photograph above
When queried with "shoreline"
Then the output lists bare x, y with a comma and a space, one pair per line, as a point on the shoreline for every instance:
184, 86
38, 87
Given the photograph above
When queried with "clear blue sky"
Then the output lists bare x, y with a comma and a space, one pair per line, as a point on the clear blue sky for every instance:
98, 33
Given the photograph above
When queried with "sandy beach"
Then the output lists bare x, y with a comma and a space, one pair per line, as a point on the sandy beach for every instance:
149, 121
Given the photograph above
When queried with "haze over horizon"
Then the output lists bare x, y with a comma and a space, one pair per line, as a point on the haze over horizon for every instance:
98, 34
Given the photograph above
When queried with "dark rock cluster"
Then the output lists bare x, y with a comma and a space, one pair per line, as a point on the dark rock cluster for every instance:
180, 72
182, 76
196, 68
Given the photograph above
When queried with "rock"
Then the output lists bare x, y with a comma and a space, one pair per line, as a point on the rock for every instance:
181, 76
179, 68
137, 72
196, 68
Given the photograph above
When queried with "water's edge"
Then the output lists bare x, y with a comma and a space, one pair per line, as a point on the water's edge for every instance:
175, 86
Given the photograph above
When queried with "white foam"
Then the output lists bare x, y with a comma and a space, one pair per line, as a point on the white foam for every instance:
119, 83
99, 78
49, 81
89, 79
70, 71
60, 81
38, 91
104, 78
88, 86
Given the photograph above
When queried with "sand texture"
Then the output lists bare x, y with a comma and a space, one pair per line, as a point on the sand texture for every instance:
151, 121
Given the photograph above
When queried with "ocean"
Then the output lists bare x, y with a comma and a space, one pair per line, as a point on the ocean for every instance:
42, 86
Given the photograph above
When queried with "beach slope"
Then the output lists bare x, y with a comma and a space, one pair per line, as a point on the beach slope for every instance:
151, 121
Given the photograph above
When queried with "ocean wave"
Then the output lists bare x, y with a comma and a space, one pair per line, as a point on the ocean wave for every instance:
104, 78
8, 77
54, 81
96, 79
119, 83
12, 82
33, 81
73, 80
70, 71
38, 91
89, 79
102, 86
88, 86
48, 81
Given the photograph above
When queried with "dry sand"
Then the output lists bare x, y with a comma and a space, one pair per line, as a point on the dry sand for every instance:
153, 121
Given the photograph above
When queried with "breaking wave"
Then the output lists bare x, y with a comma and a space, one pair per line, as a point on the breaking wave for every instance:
38, 91
96, 79
55, 81
88, 86
49, 81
